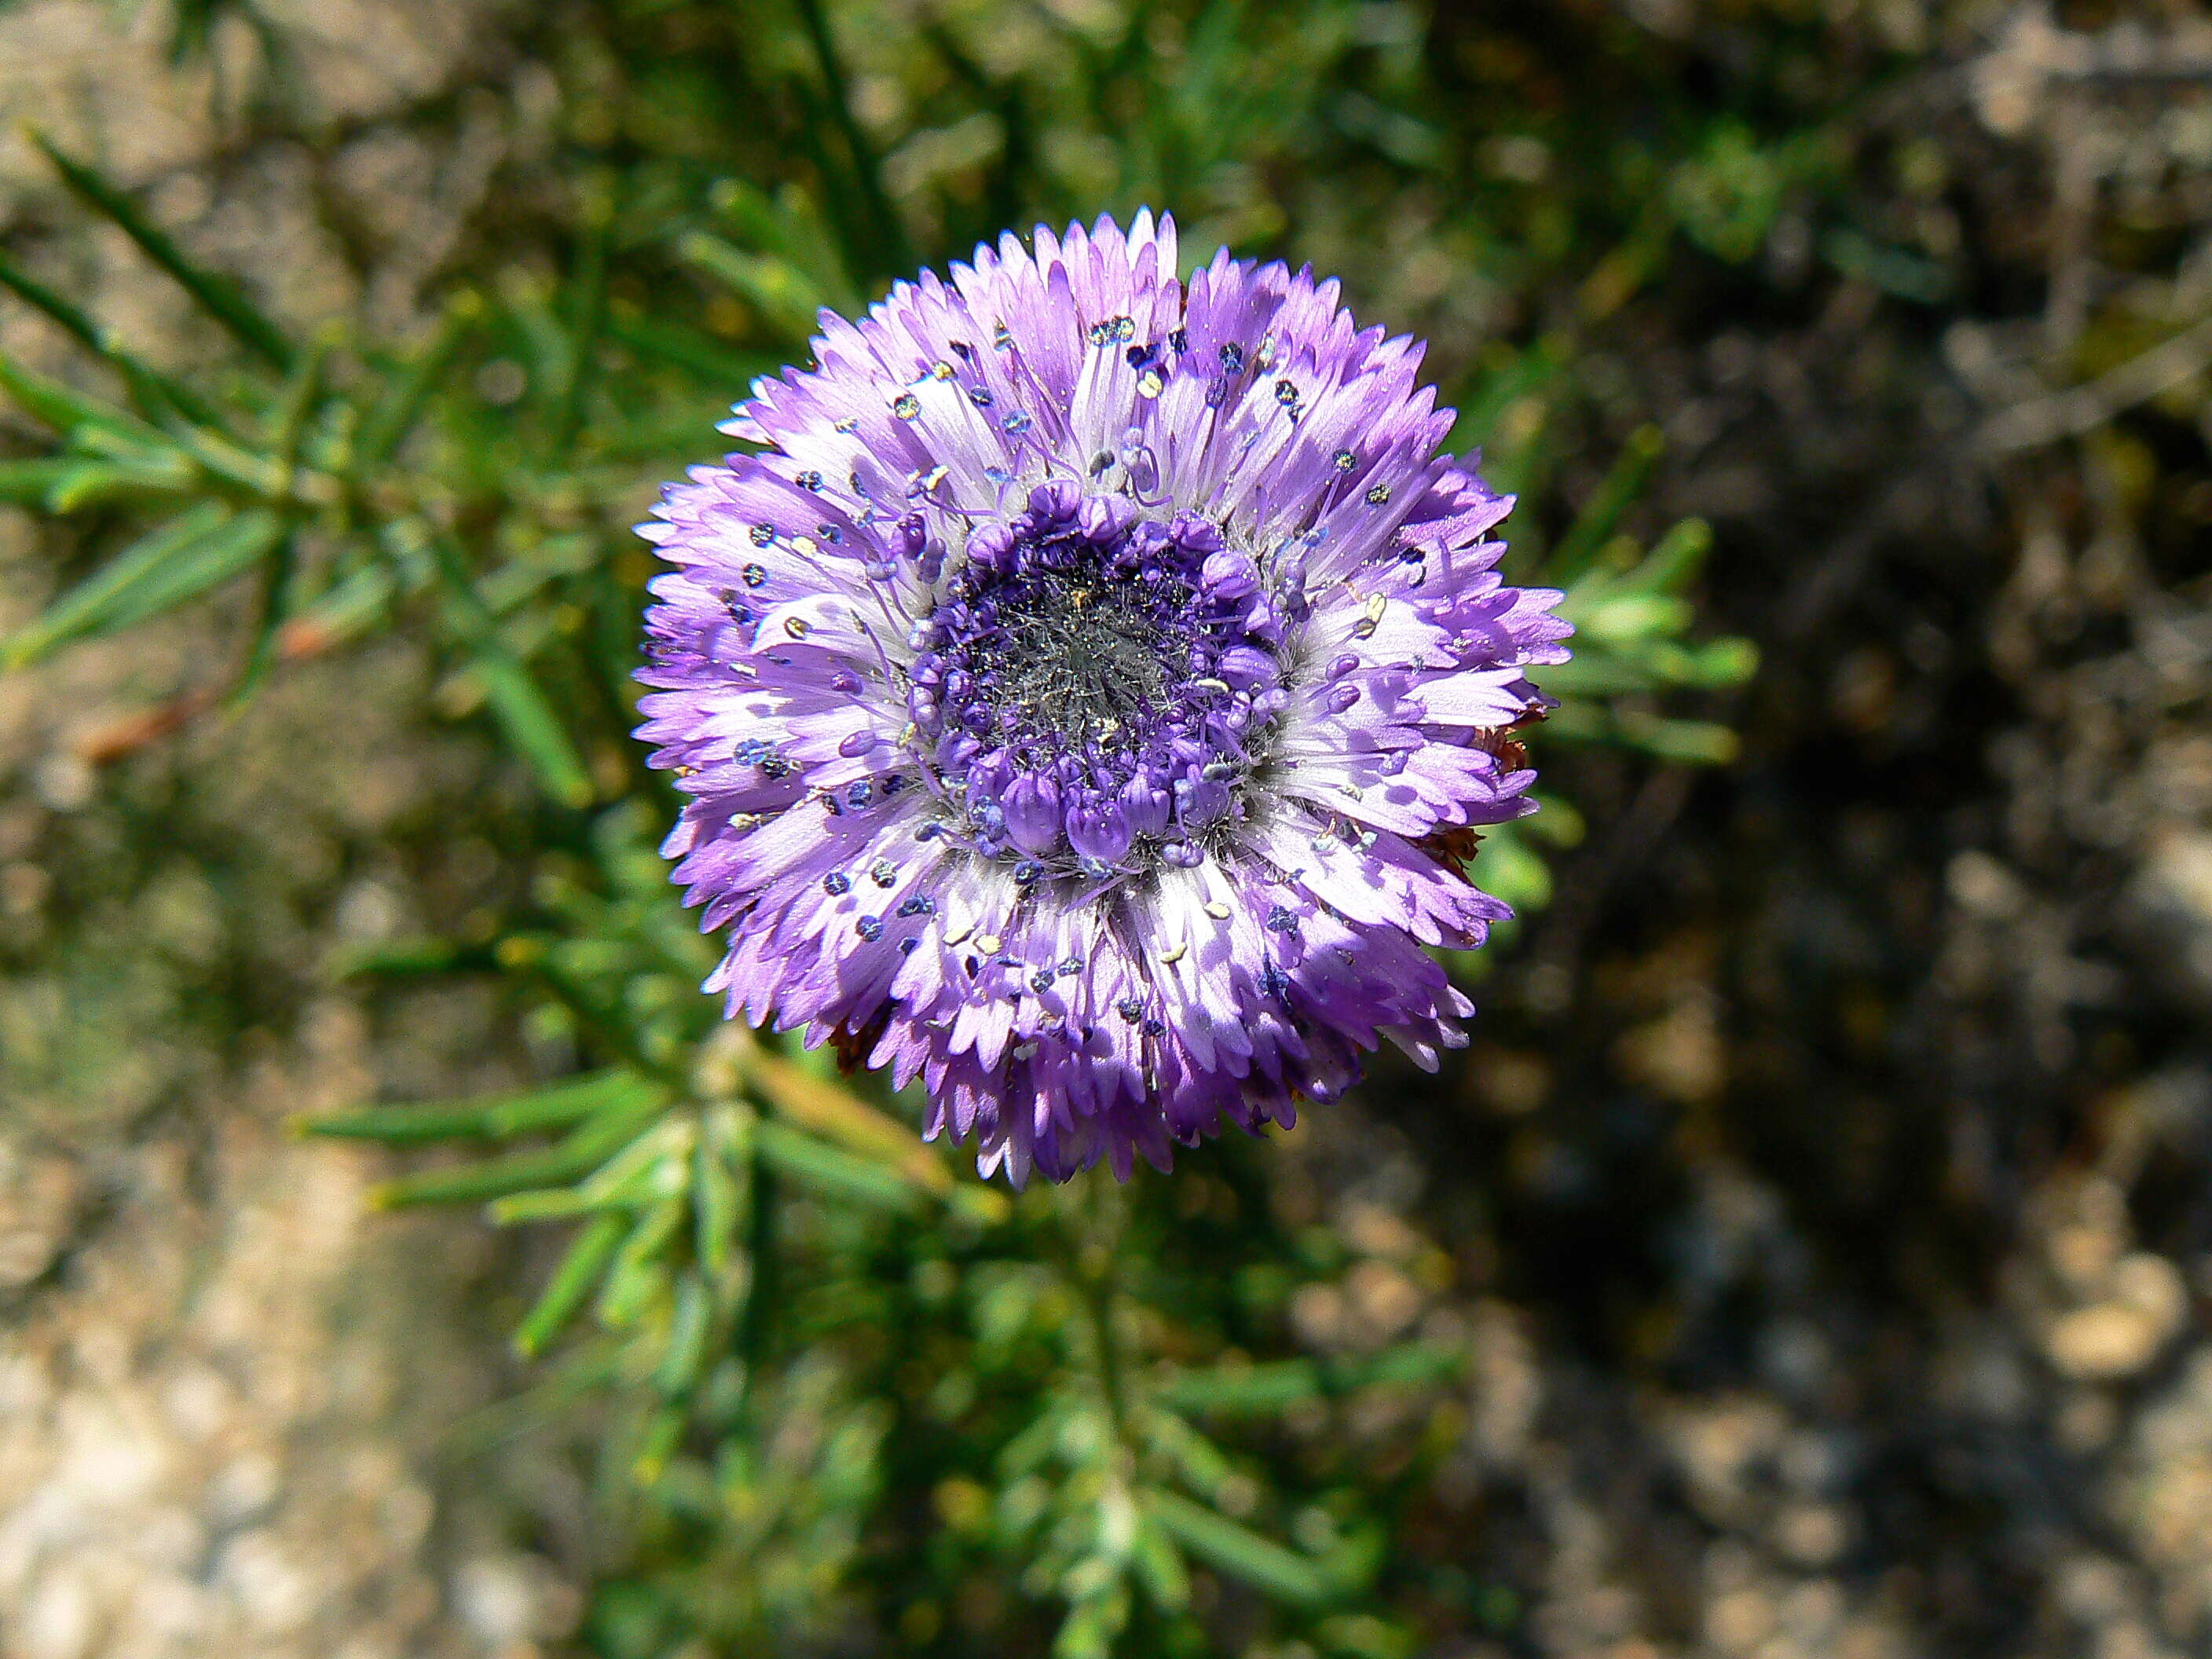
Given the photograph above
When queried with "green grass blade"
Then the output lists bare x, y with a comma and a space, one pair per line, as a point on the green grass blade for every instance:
198, 551
221, 298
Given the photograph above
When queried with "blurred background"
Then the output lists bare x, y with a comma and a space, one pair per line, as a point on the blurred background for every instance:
1810, 1257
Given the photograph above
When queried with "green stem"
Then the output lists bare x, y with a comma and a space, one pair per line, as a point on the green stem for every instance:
1093, 1211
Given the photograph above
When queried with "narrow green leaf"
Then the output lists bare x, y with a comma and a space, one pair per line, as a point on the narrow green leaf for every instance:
785, 299
571, 1282
400, 957
221, 298
835, 1173
154, 388
1244, 1390
64, 483
601, 1137
345, 611
1199, 1464
562, 1203
280, 582
1409, 1364
36, 294
717, 1196
653, 1167
586, 293
1618, 618
1673, 561
1687, 743
86, 481
1720, 663
1613, 497
664, 1433
521, 710
278, 594
492, 1116
297, 402
885, 236
688, 1328
527, 718
686, 347
200, 550
640, 1275
396, 411
1264, 1390
71, 411
1596, 670
27, 483
788, 224
1092, 1623
1266, 1565
1159, 1566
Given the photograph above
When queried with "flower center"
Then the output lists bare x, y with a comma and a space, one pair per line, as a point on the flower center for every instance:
1091, 683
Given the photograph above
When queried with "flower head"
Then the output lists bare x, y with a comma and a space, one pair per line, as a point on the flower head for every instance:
1084, 694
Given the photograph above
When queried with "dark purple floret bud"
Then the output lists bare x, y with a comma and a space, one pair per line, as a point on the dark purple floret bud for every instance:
1148, 712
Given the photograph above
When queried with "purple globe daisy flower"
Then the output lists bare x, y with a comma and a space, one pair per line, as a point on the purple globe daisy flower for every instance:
1085, 696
